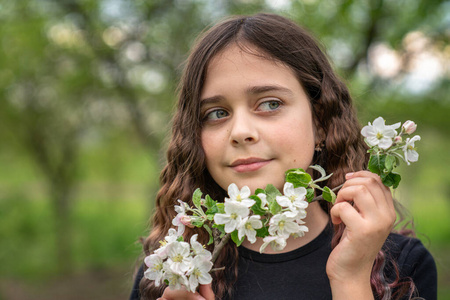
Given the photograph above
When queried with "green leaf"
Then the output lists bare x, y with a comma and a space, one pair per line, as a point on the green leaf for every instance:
328, 195
319, 169
180, 239
272, 192
211, 205
235, 238
210, 217
212, 211
221, 228
262, 232
260, 191
274, 207
197, 198
209, 202
377, 164
256, 208
391, 179
390, 163
197, 222
298, 177
220, 208
309, 194
211, 238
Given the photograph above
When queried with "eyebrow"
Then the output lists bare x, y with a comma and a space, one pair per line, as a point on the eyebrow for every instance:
259, 89
253, 90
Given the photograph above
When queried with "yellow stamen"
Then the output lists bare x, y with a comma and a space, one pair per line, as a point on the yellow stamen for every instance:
178, 258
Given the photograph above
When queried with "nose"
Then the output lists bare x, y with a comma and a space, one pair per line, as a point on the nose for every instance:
243, 131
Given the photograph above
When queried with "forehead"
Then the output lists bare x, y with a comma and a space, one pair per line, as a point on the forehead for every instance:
243, 52
246, 63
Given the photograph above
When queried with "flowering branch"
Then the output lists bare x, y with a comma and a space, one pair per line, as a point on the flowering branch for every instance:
385, 147
268, 213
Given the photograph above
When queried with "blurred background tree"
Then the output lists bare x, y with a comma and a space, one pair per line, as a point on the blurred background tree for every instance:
86, 92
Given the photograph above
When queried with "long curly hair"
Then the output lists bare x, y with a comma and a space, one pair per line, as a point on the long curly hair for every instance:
343, 149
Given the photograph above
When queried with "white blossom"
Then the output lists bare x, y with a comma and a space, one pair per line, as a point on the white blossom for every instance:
293, 198
198, 249
234, 212
409, 149
301, 229
277, 242
263, 198
379, 133
282, 224
199, 272
297, 214
240, 196
178, 257
248, 226
177, 221
170, 238
154, 272
176, 281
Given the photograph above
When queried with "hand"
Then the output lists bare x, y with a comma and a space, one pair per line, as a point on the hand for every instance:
368, 222
205, 293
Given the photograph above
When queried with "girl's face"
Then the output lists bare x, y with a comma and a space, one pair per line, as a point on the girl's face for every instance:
257, 120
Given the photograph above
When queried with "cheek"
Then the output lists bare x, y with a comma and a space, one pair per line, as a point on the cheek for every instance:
211, 146
297, 142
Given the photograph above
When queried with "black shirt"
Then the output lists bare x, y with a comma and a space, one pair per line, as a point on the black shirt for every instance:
300, 274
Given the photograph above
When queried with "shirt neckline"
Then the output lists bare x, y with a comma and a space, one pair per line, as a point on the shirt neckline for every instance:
323, 239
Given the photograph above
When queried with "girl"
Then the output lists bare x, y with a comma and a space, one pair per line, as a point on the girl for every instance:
259, 97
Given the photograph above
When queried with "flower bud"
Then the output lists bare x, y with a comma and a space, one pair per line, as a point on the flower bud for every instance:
398, 139
186, 221
409, 127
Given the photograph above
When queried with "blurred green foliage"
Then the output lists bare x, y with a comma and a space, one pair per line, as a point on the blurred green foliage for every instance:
86, 92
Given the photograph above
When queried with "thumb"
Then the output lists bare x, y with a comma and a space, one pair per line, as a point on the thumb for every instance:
206, 291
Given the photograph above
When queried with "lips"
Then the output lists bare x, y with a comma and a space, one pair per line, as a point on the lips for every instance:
249, 164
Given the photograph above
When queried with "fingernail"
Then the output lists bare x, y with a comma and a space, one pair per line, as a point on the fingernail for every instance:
349, 175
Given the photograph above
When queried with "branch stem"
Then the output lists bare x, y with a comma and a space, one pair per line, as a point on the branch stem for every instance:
220, 246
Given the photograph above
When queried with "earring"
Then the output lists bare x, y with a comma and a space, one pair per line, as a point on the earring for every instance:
319, 146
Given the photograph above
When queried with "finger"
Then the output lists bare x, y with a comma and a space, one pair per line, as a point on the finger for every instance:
344, 212
372, 187
376, 180
206, 291
388, 204
180, 295
363, 200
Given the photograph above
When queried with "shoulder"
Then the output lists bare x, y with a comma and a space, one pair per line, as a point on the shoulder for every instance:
407, 250
135, 292
413, 261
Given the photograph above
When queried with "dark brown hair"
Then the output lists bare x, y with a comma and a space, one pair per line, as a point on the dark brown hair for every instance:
343, 150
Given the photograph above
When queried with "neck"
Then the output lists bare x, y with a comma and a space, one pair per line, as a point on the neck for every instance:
316, 220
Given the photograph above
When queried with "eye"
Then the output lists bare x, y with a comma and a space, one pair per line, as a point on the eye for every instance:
216, 114
269, 105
